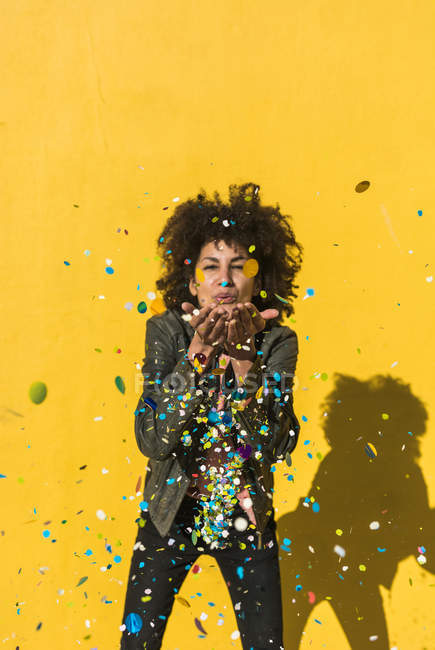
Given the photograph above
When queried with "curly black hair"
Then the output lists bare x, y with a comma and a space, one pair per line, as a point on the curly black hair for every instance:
245, 221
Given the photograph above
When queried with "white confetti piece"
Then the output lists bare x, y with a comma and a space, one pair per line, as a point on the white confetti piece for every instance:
339, 550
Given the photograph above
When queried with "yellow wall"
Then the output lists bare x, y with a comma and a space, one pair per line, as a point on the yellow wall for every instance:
104, 102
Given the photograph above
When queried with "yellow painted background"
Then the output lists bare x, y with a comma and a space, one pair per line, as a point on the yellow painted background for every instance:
118, 108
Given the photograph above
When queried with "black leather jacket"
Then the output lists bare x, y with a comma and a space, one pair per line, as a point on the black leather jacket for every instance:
176, 399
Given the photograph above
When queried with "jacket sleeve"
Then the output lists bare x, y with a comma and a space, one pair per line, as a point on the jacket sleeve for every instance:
172, 395
267, 410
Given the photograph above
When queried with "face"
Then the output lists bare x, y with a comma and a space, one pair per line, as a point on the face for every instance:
219, 272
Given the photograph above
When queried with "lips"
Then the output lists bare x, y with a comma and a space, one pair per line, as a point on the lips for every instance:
225, 297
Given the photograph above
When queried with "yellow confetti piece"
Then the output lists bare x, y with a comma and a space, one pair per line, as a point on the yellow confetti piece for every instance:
250, 268
200, 275
372, 448
339, 531
251, 249
157, 306
385, 416
197, 366
362, 567
145, 599
259, 392
263, 293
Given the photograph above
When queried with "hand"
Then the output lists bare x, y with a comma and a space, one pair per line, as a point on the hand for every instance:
208, 323
245, 322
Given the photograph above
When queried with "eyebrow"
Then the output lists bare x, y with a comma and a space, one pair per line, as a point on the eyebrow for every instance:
215, 259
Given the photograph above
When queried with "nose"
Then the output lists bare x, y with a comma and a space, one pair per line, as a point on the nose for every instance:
226, 279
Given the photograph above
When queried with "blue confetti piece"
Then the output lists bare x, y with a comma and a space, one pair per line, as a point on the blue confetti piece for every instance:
109, 270
213, 417
240, 572
310, 292
419, 212
317, 621
381, 550
316, 507
143, 505
151, 403
133, 622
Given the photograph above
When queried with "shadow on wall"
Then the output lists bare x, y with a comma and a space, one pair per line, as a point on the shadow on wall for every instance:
380, 503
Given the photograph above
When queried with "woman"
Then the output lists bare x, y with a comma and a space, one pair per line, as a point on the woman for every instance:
215, 413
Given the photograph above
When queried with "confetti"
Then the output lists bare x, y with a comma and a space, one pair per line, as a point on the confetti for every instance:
362, 186
250, 268
119, 383
38, 392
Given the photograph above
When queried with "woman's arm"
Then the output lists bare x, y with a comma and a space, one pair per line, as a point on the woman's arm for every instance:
269, 420
173, 393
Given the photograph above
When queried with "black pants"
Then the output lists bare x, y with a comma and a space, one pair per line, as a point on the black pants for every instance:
251, 575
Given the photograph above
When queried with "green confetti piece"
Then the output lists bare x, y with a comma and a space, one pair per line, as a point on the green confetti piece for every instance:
38, 392
81, 581
120, 384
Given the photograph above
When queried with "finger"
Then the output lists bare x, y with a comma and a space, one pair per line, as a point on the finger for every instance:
187, 307
202, 315
232, 333
246, 323
257, 319
236, 331
207, 326
269, 313
218, 330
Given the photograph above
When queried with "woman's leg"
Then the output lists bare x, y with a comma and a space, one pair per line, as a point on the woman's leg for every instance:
157, 571
255, 589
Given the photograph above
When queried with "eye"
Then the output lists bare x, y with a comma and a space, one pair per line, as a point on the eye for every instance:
214, 267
